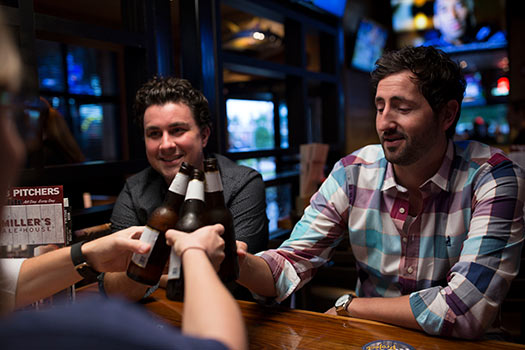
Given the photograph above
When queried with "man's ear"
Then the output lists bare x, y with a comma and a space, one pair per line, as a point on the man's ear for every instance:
449, 113
205, 134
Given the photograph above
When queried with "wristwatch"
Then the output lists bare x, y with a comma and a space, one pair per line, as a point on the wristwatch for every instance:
341, 304
80, 262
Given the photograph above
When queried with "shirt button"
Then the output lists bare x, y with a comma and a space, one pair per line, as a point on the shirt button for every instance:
402, 210
405, 239
410, 269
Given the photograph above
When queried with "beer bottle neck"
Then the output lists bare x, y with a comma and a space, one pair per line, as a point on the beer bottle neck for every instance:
213, 181
177, 190
214, 199
195, 190
173, 200
192, 206
179, 184
213, 189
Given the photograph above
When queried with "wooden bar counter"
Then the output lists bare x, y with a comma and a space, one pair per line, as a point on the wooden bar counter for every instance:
283, 328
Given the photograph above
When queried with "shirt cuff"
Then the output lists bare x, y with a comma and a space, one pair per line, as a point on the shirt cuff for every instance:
284, 275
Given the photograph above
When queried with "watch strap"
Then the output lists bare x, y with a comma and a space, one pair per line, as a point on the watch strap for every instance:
80, 262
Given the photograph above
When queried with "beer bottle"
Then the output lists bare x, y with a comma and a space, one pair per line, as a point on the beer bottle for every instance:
191, 218
216, 212
147, 268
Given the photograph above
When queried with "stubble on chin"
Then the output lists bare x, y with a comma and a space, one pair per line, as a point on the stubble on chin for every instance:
398, 155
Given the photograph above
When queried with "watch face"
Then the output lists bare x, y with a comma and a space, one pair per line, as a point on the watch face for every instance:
342, 300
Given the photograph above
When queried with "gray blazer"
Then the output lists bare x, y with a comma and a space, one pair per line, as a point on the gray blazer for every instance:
244, 194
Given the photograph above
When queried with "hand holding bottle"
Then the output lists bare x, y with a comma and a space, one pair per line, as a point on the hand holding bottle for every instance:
206, 238
242, 251
113, 252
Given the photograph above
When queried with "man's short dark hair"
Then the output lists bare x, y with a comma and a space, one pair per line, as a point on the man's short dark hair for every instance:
438, 78
161, 90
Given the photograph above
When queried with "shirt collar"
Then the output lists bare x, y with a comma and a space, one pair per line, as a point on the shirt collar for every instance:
440, 178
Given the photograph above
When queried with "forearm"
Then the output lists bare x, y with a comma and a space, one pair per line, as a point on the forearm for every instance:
395, 311
45, 275
255, 274
211, 315
118, 283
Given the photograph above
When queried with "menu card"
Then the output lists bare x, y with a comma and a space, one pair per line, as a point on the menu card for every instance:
35, 220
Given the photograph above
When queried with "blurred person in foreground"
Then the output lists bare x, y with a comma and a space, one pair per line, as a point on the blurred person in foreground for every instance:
436, 226
100, 323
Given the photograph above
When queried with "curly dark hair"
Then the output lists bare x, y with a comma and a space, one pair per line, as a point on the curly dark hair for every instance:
161, 90
438, 78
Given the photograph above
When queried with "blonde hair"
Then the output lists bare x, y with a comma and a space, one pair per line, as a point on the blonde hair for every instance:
10, 65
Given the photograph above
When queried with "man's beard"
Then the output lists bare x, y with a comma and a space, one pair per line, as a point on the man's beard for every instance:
411, 150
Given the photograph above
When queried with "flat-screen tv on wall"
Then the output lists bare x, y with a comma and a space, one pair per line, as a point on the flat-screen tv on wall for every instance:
369, 44
451, 25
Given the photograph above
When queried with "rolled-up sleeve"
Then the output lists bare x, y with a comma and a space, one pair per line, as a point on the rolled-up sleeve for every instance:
479, 281
313, 239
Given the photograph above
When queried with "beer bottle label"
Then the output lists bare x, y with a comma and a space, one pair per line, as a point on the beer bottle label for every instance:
213, 182
179, 184
149, 235
195, 190
174, 266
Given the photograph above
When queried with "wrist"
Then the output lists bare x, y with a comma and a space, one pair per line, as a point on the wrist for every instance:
81, 263
192, 248
85, 248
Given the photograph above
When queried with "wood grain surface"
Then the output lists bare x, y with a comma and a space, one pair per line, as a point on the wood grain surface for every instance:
283, 328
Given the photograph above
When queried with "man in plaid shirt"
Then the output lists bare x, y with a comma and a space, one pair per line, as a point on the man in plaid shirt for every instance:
436, 226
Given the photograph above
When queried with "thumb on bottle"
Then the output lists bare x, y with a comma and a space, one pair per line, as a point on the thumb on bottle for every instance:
173, 235
137, 246
218, 228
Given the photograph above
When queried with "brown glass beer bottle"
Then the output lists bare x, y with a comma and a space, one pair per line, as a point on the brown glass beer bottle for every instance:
191, 218
147, 268
216, 212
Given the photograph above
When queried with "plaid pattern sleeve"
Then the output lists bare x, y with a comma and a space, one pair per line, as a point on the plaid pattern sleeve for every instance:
489, 258
314, 237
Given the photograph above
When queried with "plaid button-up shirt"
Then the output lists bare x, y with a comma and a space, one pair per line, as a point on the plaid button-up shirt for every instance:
456, 258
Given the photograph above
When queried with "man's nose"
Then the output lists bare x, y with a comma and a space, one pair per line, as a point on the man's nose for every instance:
454, 13
386, 120
166, 141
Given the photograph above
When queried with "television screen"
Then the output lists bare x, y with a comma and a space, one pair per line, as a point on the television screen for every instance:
451, 25
369, 44
474, 93
250, 125
487, 124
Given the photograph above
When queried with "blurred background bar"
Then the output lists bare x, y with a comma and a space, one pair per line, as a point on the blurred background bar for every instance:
278, 74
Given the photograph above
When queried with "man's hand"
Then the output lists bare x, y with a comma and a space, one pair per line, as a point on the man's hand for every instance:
242, 250
112, 253
206, 238
331, 311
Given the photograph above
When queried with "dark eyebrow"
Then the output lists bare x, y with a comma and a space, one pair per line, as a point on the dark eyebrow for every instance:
393, 98
172, 125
